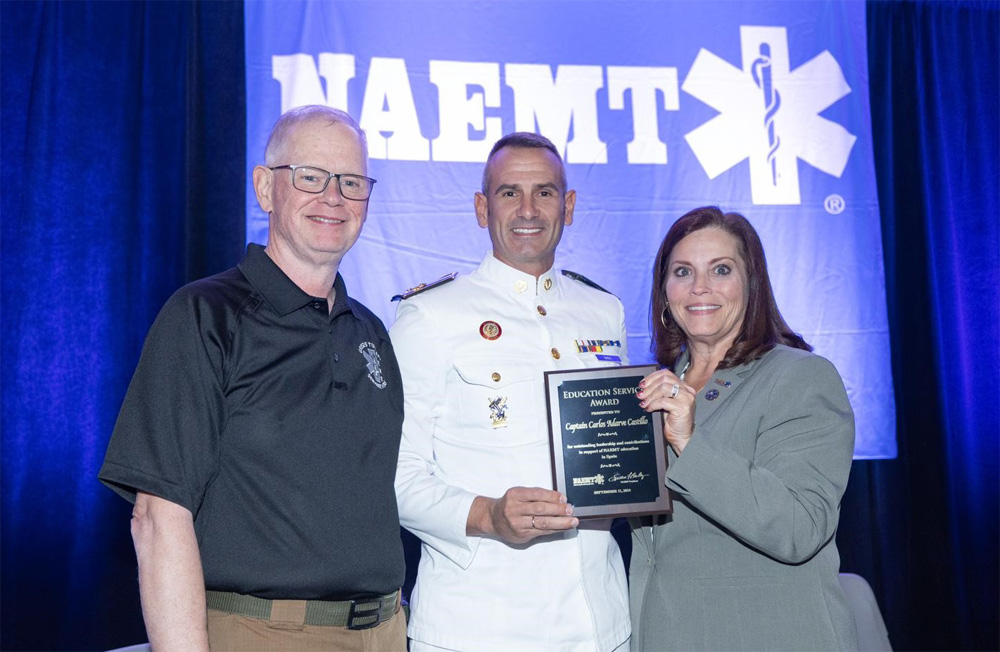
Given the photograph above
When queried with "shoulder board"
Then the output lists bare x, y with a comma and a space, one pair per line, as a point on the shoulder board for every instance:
425, 286
583, 279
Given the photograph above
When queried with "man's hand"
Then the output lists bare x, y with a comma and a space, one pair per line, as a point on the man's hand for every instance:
520, 515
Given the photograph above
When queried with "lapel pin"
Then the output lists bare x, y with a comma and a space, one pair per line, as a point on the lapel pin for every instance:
712, 394
490, 330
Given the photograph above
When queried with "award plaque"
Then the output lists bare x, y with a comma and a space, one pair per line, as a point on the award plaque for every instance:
608, 453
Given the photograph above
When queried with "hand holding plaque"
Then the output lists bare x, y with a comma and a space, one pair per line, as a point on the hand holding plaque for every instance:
607, 451
664, 391
520, 515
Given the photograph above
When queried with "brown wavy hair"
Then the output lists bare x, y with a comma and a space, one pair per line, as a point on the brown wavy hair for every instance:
763, 326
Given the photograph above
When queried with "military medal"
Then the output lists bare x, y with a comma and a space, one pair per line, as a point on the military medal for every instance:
490, 330
498, 411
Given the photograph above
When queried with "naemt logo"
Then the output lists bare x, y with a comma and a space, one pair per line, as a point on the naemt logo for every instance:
770, 114
588, 480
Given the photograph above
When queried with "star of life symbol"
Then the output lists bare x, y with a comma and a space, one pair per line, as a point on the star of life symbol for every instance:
374, 364
770, 114
588, 480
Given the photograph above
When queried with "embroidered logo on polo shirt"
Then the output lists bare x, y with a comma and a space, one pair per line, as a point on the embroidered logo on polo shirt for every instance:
374, 364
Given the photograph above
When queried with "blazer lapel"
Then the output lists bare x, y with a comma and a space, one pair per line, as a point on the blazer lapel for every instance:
641, 524
719, 388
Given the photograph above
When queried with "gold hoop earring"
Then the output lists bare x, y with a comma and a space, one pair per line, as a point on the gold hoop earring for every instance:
663, 316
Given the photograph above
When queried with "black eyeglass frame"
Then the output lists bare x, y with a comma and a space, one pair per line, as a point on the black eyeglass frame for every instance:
338, 176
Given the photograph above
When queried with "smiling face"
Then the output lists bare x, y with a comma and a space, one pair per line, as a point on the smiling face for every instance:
706, 288
525, 208
313, 230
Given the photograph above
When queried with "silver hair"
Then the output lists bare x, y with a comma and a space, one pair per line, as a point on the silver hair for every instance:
292, 118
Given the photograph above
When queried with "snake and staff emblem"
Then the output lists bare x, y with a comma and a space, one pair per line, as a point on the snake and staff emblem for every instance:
761, 72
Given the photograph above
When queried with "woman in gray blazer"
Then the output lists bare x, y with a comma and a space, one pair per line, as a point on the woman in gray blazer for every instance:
760, 437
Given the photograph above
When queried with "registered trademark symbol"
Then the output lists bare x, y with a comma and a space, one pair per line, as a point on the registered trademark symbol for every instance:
834, 204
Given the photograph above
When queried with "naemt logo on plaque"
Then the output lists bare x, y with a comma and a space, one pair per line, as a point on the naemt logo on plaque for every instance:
769, 114
589, 480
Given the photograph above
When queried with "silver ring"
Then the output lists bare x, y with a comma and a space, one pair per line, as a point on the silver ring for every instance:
674, 389
533, 523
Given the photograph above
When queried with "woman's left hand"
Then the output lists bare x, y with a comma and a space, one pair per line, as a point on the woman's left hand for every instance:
657, 392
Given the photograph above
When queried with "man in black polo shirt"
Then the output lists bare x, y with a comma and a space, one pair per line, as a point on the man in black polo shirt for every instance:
259, 436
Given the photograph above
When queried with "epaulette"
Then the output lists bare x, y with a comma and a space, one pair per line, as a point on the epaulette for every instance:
425, 286
583, 279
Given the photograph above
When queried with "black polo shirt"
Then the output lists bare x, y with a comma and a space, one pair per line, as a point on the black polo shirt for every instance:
278, 425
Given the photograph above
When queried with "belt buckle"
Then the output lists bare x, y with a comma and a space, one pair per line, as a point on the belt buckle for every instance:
364, 613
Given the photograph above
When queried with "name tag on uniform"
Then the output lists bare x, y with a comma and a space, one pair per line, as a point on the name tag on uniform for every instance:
604, 357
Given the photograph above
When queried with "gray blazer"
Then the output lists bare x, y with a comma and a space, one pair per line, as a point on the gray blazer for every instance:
748, 560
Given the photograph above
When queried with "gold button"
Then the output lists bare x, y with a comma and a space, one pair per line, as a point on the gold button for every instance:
520, 286
548, 284
555, 353
541, 311
495, 377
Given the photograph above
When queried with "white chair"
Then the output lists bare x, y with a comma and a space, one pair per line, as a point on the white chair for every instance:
872, 634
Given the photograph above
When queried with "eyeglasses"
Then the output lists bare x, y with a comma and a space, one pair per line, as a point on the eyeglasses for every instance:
315, 181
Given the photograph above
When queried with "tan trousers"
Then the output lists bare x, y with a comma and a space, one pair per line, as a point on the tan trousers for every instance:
285, 631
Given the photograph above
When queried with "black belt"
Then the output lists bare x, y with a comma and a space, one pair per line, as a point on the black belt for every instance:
362, 613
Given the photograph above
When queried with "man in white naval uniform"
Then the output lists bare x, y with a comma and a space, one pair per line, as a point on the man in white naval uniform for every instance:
505, 566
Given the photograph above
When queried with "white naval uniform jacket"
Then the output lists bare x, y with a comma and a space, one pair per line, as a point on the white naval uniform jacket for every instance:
566, 591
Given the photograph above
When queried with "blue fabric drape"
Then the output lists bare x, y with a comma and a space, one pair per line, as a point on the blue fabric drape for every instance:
934, 73
123, 177
116, 173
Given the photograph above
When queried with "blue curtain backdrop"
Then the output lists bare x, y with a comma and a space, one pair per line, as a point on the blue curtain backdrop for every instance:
934, 65
122, 178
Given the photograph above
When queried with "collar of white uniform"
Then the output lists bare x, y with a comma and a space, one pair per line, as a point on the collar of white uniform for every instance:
517, 282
